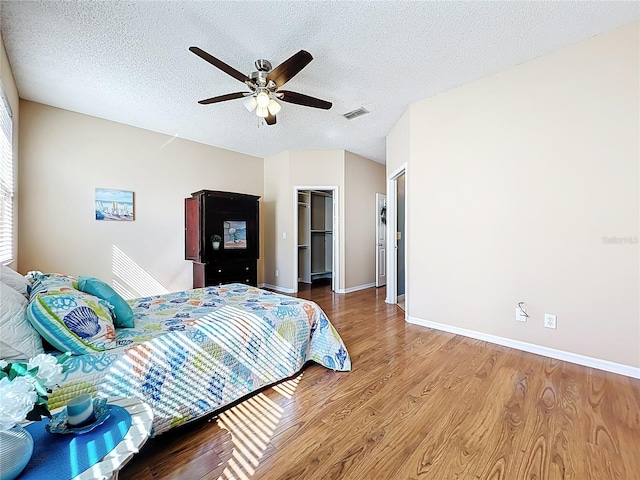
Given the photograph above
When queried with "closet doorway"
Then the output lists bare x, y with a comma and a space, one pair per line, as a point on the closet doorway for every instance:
316, 226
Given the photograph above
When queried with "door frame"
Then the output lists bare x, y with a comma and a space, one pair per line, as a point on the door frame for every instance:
379, 229
392, 243
335, 234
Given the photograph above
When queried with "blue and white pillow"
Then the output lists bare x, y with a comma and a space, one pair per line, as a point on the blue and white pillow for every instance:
50, 283
72, 321
122, 312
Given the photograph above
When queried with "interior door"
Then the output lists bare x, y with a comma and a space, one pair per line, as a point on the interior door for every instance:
381, 240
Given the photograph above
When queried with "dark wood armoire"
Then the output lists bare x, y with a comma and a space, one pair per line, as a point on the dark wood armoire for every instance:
234, 218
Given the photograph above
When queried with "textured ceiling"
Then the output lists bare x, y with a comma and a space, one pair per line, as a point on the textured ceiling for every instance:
129, 61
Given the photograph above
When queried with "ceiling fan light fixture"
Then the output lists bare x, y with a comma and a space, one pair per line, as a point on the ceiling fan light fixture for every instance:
274, 107
262, 112
263, 99
250, 103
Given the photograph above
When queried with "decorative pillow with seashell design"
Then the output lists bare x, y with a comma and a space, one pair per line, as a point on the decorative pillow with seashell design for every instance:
50, 283
73, 321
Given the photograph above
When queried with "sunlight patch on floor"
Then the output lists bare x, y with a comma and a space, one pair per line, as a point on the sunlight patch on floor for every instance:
251, 424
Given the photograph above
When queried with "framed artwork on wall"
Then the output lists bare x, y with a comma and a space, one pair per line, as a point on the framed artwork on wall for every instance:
114, 205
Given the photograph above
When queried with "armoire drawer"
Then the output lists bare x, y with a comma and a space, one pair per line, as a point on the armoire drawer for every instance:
234, 269
232, 272
225, 280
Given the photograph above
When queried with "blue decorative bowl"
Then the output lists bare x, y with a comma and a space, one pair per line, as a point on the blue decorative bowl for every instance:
58, 422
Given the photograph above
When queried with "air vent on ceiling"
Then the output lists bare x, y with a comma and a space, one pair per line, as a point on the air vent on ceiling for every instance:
358, 112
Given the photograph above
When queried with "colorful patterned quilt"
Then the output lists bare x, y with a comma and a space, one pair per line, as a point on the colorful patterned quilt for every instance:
196, 351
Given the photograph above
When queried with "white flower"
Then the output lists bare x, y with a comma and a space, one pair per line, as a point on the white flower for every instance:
3, 363
17, 398
49, 369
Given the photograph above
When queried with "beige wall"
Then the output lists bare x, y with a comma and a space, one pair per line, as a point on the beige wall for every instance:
519, 180
320, 168
11, 92
363, 179
64, 156
277, 204
357, 179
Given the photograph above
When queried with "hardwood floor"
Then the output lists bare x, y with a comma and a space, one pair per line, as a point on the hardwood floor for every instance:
418, 403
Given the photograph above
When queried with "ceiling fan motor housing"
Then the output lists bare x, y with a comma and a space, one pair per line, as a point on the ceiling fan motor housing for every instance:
259, 78
263, 65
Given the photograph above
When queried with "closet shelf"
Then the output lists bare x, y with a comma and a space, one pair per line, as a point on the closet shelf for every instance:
315, 235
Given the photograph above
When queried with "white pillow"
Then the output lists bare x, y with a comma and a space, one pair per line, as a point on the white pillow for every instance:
18, 339
14, 280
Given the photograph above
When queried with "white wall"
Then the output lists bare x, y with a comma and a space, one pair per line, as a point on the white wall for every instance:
398, 143
517, 182
11, 92
64, 156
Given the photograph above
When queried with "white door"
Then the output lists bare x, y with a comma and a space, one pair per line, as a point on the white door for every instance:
381, 240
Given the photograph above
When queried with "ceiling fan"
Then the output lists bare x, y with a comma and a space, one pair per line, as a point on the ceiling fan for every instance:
265, 85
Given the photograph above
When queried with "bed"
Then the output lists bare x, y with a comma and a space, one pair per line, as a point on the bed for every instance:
194, 352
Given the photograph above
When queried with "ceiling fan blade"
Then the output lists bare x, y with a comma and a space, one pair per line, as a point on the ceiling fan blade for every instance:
220, 64
222, 98
270, 119
302, 99
289, 68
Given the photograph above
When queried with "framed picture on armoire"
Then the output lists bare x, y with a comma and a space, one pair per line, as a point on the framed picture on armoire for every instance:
235, 234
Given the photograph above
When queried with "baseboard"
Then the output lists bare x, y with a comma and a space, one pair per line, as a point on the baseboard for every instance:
356, 288
583, 360
276, 288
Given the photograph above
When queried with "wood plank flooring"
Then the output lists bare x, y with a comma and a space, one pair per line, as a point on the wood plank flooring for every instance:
418, 404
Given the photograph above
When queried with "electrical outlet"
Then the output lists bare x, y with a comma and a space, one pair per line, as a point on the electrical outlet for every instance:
277, 273
284, 235
520, 315
549, 320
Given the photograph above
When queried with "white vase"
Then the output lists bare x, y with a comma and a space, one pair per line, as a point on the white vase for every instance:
16, 448
216, 245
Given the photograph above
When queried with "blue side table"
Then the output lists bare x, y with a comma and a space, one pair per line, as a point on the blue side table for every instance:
133, 438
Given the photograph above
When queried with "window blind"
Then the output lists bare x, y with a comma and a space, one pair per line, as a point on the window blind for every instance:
6, 181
